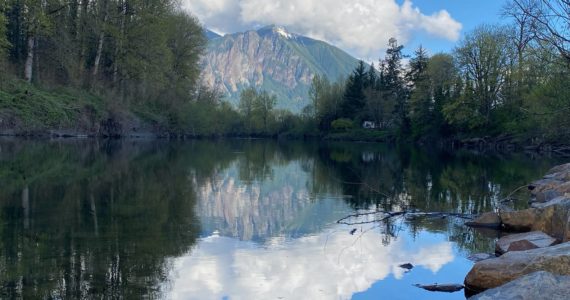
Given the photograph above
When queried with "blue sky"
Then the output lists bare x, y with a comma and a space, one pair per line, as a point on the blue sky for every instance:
470, 13
360, 27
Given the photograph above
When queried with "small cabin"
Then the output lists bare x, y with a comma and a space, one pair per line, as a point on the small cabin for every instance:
369, 125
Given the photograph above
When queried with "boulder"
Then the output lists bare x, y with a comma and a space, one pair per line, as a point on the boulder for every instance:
522, 245
535, 286
524, 241
552, 218
547, 194
556, 201
560, 168
491, 273
481, 256
543, 185
562, 176
488, 220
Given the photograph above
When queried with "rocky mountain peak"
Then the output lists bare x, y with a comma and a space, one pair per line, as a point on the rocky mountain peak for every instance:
273, 59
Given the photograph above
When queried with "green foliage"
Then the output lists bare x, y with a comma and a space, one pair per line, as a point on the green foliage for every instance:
483, 56
4, 44
34, 108
342, 124
354, 100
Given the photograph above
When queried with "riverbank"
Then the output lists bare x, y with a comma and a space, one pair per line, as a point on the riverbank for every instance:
30, 111
537, 246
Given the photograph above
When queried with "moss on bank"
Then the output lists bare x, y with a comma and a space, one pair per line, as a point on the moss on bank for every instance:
26, 107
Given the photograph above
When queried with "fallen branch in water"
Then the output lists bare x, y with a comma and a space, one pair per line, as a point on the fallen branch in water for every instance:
509, 197
388, 215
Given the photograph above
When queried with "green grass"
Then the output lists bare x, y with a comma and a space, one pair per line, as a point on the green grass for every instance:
41, 108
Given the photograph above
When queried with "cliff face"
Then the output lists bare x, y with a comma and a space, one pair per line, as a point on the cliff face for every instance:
274, 60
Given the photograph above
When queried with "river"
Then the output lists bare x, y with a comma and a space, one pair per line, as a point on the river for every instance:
243, 219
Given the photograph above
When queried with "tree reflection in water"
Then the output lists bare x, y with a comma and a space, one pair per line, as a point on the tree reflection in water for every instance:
83, 218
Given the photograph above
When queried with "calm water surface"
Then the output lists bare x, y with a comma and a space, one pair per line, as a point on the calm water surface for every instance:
241, 219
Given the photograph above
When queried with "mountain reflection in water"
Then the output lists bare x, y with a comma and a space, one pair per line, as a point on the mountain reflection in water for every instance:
239, 219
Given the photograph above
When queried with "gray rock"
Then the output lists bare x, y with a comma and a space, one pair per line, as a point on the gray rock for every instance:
488, 220
524, 241
495, 272
562, 176
545, 196
543, 185
558, 200
560, 168
552, 219
481, 256
535, 286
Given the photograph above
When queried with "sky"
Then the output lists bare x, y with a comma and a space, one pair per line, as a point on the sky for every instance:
360, 27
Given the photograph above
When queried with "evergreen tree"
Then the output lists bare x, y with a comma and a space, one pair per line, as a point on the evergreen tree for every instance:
393, 85
354, 98
372, 77
421, 97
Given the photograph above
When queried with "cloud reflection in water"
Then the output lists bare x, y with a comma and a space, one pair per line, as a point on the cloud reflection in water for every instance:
299, 268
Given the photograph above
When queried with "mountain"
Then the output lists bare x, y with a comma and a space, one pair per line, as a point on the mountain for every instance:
274, 60
210, 35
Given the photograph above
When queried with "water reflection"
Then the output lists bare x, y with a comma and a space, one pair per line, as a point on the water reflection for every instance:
243, 219
302, 268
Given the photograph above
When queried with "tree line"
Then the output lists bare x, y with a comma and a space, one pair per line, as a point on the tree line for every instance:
142, 57
500, 80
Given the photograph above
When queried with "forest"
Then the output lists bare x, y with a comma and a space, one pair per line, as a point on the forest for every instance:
501, 82
115, 67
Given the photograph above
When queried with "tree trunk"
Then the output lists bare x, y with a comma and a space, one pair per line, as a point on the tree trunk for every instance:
94, 213
28, 68
99, 48
82, 40
26, 206
118, 47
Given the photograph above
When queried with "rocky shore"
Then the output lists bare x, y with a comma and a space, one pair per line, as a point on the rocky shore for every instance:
534, 261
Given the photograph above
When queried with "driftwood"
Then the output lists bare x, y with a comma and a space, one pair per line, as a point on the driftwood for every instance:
446, 288
388, 215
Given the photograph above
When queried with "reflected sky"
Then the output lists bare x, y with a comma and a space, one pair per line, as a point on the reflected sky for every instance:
330, 265
240, 219
271, 238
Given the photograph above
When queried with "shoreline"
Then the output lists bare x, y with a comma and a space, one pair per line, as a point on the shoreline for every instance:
496, 145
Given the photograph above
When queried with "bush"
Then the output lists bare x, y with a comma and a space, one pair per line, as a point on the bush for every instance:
342, 124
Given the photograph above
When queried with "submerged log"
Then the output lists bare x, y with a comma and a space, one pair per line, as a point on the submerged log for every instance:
446, 288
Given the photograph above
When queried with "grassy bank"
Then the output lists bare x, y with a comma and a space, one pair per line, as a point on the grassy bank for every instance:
27, 109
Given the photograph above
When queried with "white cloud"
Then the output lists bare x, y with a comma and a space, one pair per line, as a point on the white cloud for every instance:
299, 269
360, 25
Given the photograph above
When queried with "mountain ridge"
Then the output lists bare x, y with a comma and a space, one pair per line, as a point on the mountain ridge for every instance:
273, 59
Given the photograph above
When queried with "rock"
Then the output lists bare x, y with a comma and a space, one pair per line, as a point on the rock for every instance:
489, 220
562, 176
543, 185
535, 286
546, 196
561, 168
524, 241
550, 218
558, 200
495, 272
481, 256
447, 288
407, 266
521, 246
